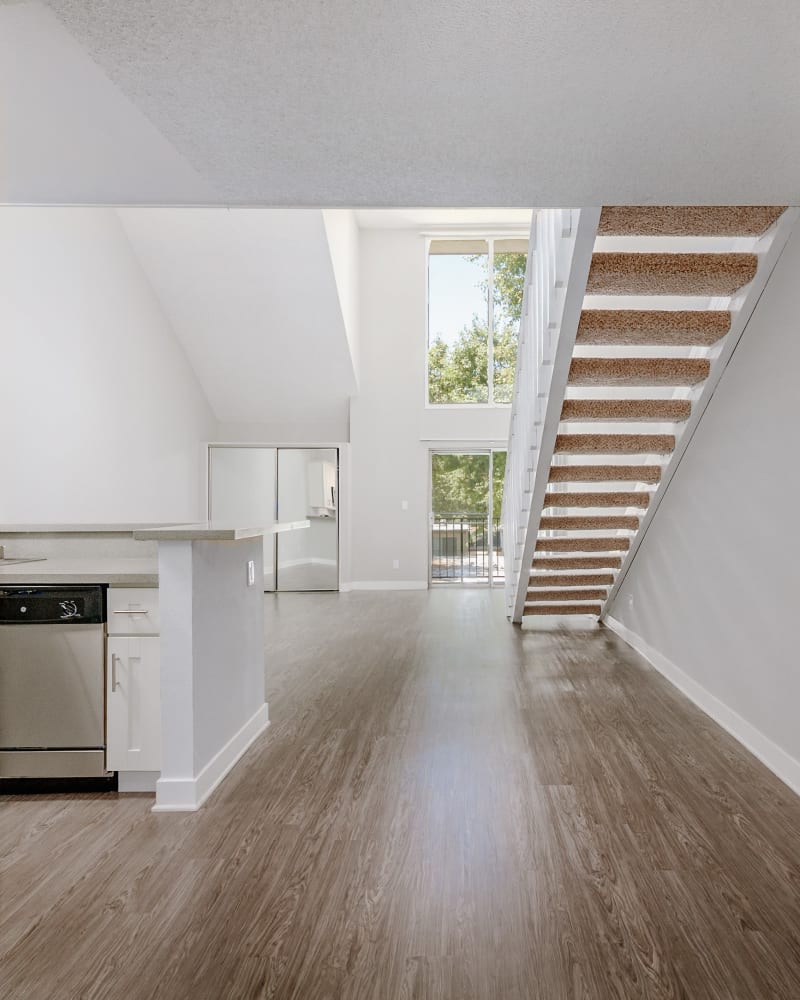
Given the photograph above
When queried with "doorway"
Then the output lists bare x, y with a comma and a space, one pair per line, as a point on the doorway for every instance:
466, 490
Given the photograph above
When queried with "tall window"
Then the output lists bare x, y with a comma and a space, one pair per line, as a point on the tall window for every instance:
474, 305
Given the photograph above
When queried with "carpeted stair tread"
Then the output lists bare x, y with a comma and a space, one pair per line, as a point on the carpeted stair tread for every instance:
562, 609
627, 444
687, 220
659, 410
620, 543
670, 273
590, 523
546, 596
636, 498
680, 327
569, 580
605, 473
558, 565
638, 371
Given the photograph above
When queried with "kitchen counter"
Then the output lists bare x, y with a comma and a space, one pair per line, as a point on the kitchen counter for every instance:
209, 651
75, 529
119, 572
210, 531
69, 565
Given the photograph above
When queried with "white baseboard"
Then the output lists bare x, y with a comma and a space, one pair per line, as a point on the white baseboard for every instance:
774, 757
389, 585
137, 781
188, 794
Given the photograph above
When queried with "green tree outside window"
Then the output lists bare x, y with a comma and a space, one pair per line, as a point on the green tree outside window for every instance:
458, 373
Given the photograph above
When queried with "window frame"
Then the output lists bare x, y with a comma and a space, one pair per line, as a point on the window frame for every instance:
490, 240
462, 448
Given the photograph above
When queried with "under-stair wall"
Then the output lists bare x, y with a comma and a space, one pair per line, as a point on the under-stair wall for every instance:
711, 596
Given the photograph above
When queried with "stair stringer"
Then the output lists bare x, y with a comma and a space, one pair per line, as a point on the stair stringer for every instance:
572, 286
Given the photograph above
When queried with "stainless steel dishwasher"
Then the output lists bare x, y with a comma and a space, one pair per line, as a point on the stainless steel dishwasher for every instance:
52, 682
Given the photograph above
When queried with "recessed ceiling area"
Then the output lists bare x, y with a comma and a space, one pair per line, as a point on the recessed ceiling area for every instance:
508, 102
446, 219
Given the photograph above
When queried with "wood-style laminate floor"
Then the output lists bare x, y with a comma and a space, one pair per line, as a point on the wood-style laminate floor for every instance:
445, 807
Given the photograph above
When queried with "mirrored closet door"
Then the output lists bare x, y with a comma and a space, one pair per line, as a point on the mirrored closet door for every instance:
257, 485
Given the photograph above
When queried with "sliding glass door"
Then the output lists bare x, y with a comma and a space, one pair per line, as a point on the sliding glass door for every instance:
466, 497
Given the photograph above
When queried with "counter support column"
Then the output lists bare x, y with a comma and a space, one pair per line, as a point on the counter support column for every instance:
212, 663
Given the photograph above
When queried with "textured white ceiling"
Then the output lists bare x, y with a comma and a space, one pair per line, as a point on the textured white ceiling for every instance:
455, 102
67, 134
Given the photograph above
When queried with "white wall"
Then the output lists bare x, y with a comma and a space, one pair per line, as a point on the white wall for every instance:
308, 425
253, 299
391, 429
101, 417
714, 587
343, 241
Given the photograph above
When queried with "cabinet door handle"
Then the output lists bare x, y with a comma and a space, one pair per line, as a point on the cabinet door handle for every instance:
131, 612
114, 659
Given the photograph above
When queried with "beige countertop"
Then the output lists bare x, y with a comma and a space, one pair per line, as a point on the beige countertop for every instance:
116, 572
76, 529
211, 531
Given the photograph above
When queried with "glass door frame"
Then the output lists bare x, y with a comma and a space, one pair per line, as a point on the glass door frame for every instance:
464, 448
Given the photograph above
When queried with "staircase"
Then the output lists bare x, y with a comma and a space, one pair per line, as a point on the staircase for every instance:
644, 326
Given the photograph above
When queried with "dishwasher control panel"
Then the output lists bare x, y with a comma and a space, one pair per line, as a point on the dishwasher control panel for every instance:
47, 605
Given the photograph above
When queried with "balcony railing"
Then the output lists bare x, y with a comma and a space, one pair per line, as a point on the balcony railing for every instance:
465, 548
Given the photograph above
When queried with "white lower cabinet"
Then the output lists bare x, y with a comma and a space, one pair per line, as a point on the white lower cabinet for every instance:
133, 716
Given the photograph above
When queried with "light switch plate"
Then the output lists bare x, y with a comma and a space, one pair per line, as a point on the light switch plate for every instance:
251, 572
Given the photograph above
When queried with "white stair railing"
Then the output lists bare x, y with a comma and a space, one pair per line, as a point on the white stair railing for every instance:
559, 256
